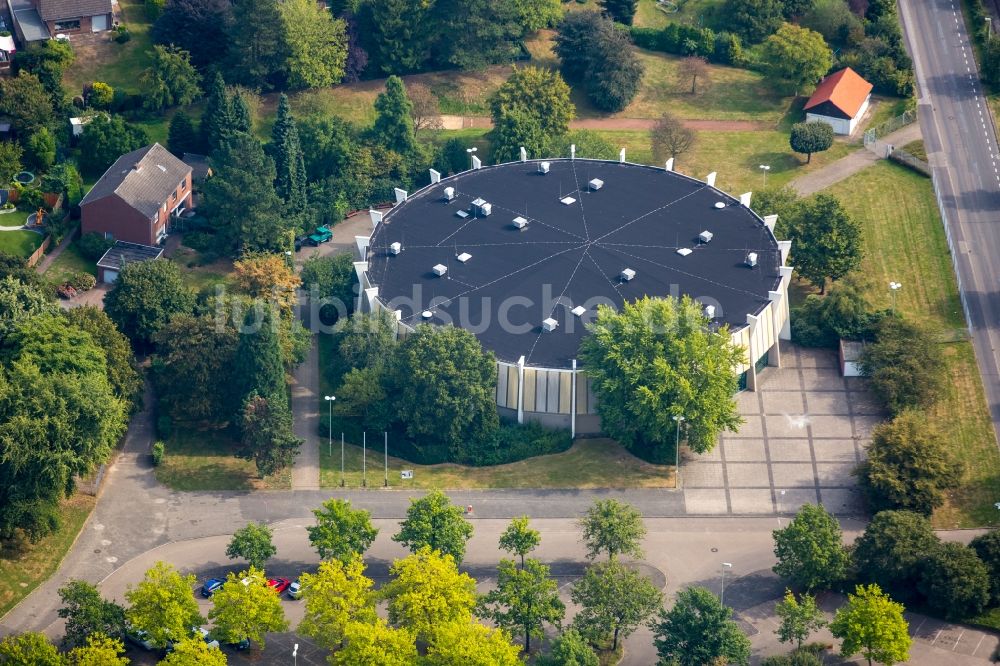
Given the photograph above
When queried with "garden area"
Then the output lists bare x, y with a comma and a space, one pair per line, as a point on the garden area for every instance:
19, 243
907, 244
204, 460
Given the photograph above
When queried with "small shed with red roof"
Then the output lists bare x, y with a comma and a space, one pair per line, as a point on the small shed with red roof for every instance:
840, 100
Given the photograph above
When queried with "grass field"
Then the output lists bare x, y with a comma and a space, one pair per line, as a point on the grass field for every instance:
70, 262
204, 460
118, 65
590, 463
23, 565
911, 249
19, 243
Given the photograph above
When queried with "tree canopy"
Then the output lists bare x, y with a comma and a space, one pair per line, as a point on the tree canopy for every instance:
87, 614
799, 617
341, 532
812, 137
393, 119
891, 549
871, 623
797, 55
317, 44
614, 600
144, 298
336, 596
432, 521
614, 528
524, 600
826, 240
252, 543
163, 605
520, 539
246, 608
904, 365
105, 139
810, 550
987, 546
98, 650
531, 109
698, 630
598, 57
31, 648
687, 370
955, 582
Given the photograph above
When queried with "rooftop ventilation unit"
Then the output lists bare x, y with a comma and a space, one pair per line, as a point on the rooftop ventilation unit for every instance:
751, 259
549, 324
706, 236
440, 270
543, 167
481, 207
462, 214
449, 194
395, 248
578, 310
426, 314
684, 251
520, 223
464, 257
569, 201
596, 184
720, 204
710, 311
628, 275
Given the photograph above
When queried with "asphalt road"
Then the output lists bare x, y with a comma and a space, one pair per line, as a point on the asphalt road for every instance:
962, 149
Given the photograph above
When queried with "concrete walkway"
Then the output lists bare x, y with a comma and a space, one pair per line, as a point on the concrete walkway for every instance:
305, 408
845, 167
48, 259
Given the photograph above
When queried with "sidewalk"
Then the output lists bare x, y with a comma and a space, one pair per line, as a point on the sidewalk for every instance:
48, 259
845, 167
305, 415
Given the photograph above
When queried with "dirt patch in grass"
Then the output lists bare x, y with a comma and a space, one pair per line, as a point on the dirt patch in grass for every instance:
24, 566
204, 460
99, 58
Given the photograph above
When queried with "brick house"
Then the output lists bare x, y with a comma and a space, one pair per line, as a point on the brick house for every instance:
136, 198
36, 20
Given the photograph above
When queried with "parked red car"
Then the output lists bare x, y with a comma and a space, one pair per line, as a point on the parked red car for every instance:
279, 585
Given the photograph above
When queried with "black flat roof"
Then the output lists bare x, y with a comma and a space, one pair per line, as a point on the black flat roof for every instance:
568, 255
122, 253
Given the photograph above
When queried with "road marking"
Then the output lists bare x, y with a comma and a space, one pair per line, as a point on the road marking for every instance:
957, 640
936, 636
981, 639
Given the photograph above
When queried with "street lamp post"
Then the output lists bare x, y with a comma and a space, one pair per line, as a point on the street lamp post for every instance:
677, 452
329, 430
470, 151
764, 169
386, 481
341, 459
893, 288
989, 26
364, 459
722, 594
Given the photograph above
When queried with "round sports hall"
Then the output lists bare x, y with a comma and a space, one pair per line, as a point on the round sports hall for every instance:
521, 254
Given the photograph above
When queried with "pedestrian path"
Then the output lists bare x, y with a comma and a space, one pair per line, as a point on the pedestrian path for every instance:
305, 408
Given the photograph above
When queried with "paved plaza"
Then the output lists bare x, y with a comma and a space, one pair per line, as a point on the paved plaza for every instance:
805, 431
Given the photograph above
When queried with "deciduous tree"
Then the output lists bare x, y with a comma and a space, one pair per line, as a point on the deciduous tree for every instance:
614, 601
105, 139
908, 466
955, 582
904, 365
125, 380
31, 648
368, 340
432, 521
614, 528
891, 549
638, 400
41, 149
524, 600
193, 651
698, 630
26, 102
466, 643
444, 387
341, 532
799, 618
569, 649
589, 144
809, 138
376, 643
871, 623
257, 365
987, 546
331, 278
531, 109
144, 298
258, 49
246, 608
317, 44
424, 110
170, 79
163, 605
98, 650
670, 138
695, 68
336, 596
520, 539
426, 591
810, 550
621, 11
753, 20
198, 27
87, 614
827, 241
267, 277
797, 55
252, 543
10, 159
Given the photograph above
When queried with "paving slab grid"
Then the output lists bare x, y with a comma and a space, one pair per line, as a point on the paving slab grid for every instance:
805, 430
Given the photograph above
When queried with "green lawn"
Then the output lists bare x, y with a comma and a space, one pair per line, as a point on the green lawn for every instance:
911, 249
24, 565
649, 15
19, 243
119, 65
204, 460
15, 218
67, 264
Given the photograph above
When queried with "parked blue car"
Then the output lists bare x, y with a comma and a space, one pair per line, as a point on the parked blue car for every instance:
212, 586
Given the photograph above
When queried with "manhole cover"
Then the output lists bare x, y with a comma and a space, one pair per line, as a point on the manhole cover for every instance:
715, 550
97, 550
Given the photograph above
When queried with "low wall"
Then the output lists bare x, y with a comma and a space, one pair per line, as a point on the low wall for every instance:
37, 255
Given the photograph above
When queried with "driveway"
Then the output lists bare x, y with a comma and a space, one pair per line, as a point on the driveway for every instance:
805, 430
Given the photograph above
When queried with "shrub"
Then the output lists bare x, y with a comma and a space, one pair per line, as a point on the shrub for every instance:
31, 199
157, 453
93, 245
123, 34
164, 426
154, 8
100, 95
904, 365
82, 281
516, 442
200, 241
955, 581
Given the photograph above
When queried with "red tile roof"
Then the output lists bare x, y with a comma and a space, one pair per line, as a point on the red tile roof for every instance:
845, 89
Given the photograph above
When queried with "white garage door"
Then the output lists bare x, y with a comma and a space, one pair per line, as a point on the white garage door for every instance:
110, 276
99, 23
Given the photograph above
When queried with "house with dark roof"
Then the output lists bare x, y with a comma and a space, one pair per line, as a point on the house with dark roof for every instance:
36, 20
840, 100
137, 197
